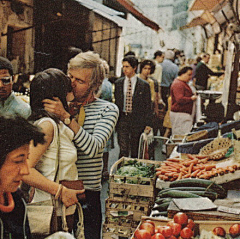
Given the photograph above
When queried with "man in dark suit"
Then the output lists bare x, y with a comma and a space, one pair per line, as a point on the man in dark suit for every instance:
135, 108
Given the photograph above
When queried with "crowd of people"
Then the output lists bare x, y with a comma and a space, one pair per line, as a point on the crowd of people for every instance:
71, 118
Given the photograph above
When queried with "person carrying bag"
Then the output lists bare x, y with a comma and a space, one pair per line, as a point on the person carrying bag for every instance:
55, 161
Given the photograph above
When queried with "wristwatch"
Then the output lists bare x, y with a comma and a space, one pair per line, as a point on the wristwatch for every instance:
67, 121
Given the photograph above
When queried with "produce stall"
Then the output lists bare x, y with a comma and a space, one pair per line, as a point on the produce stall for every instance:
194, 183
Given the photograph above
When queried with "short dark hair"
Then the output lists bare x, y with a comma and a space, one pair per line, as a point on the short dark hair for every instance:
132, 60
130, 53
46, 85
184, 70
147, 62
15, 131
157, 53
6, 64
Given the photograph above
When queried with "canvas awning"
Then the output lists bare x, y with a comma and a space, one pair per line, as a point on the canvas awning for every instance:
137, 14
205, 18
205, 4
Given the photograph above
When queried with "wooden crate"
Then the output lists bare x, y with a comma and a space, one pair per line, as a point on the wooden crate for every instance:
201, 225
142, 191
132, 211
111, 231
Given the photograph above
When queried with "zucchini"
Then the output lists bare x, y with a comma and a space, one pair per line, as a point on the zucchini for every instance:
178, 194
186, 189
161, 207
211, 195
159, 214
162, 200
197, 182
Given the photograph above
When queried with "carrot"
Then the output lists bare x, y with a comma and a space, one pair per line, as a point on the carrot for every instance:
179, 176
194, 161
194, 174
190, 168
176, 160
191, 156
201, 156
209, 166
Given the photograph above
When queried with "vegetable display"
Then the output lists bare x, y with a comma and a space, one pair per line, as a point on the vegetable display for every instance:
180, 227
133, 168
195, 166
186, 188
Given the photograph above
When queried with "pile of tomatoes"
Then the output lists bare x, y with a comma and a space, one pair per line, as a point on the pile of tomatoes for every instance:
234, 231
180, 227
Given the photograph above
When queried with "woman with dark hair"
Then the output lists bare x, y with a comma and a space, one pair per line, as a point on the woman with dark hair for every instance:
182, 102
58, 144
15, 137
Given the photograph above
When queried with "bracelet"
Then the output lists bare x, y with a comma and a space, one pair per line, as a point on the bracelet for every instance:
59, 191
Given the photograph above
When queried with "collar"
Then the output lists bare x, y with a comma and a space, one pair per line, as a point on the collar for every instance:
10, 98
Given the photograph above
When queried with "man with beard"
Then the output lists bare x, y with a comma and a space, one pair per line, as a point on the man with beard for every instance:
87, 72
9, 103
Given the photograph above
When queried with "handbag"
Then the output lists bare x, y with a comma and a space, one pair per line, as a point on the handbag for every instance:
74, 184
79, 234
42, 216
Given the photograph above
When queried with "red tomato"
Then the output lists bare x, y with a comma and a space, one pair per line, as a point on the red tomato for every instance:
142, 234
150, 221
219, 231
181, 218
158, 236
176, 228
234, 230
172, 237
191, 224
186, 233
165, 230
148, 226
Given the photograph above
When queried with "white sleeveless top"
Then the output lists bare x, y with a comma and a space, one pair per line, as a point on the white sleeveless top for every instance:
67, 159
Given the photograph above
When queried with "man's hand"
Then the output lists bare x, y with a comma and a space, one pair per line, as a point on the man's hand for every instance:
56, 107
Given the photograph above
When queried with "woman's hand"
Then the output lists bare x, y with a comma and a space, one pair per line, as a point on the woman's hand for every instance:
69, 196
56, 107
194, 97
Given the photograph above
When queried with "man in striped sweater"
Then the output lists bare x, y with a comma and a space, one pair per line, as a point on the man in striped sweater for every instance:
87, 72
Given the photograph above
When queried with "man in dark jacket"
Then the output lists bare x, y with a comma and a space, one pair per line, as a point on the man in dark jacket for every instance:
133, 98
203, 72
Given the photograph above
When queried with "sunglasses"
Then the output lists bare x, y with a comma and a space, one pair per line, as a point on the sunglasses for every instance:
6, 80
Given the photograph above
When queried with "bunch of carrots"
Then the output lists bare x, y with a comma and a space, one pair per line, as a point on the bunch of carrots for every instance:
195, 166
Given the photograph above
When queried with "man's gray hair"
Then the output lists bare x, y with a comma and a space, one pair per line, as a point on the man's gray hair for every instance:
89, 60
169, 54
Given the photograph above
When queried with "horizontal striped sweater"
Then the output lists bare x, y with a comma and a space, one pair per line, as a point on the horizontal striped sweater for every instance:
100, 119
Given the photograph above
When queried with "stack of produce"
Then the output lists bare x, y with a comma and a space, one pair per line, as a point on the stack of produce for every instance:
186, 188
180, 227
195, 166
131, 196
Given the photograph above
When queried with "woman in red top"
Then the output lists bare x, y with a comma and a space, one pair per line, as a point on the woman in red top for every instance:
182, 102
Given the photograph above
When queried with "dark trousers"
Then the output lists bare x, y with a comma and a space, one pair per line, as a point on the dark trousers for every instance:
92, 213
165, 92
128, 137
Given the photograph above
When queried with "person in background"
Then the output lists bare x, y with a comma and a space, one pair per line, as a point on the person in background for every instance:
16, 133
203, 72
58, 145
93, 123
146, 68
182, 102
157, 73
19, 85
9, 103
133, 98
169, 73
